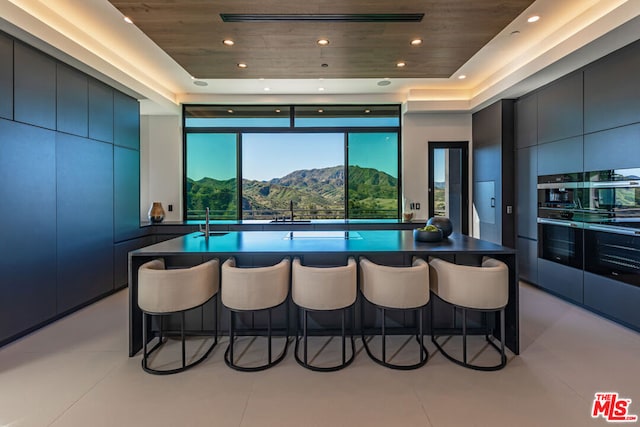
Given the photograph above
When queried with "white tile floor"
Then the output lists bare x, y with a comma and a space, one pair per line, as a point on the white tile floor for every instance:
76, 372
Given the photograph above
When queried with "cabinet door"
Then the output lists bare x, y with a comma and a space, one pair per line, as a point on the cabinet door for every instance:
126, 121
28, 232
561, 280
612, 90
84, 219
126, 171
6, 77
615, 299
527, 203
72, 101
560, 109
528, 259
100, 111
35, 87
617, 148
527, 121
121, 258
564, 156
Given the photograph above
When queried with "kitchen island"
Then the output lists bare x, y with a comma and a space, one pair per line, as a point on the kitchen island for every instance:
260, 248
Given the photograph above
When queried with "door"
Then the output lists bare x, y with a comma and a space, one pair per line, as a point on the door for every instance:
449, 183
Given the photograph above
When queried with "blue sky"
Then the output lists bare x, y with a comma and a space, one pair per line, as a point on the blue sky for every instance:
268, 156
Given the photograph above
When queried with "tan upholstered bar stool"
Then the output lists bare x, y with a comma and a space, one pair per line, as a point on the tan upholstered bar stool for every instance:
396, 288
484, 288
250, 290
324, 289
162, 291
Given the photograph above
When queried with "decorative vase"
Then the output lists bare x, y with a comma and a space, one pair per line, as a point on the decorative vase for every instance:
443, 223
407, 216
156, 212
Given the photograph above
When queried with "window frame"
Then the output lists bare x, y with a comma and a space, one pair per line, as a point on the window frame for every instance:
239, 131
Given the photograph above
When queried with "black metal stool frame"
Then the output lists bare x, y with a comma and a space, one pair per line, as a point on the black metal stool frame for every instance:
463, 362
424, 353
185, 366
304, 362
228, 354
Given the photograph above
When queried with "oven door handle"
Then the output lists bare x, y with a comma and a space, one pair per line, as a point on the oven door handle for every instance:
612, 229
572, 224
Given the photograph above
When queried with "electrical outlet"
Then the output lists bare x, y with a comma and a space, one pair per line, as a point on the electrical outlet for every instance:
509, 209
412, 205
417, 206
170, 208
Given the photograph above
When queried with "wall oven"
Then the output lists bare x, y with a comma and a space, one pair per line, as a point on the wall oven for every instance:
613, 251
612, 197
560, 226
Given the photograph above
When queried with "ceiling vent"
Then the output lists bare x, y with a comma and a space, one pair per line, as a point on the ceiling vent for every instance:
322, 17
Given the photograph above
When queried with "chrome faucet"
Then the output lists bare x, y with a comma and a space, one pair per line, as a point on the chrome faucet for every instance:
206, 225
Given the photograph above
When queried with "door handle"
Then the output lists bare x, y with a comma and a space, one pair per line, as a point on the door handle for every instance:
493, 202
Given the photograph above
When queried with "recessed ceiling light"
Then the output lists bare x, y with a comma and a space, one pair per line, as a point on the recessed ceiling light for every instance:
462, 77
128, 20
367, 111
320, 111
533, 18
416, 42
323, 42
261, 79
277, 110
266, 89
321, 89
230, 111
242, 65
324, 65
200, 83
228, 42
401, 64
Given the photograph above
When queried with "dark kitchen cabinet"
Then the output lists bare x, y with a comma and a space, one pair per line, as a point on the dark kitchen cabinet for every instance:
614, 299
72, 101
126, 121
121, 258
560, 109
6, 77
84, 220
28, 232
617, 148
561, 280
126, 169
564, 156
35, 87
100, 111
526, 112
612, 90
493, 172
527, 259
526, 194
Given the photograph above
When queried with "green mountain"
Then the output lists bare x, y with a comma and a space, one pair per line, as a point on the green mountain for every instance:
316, 193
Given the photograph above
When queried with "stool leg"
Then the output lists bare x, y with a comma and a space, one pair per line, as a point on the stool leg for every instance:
502, 333
144, 339
184, 363
384, 338
269, 332
464, 334
304, 333
231, 331
344, 355
421, 310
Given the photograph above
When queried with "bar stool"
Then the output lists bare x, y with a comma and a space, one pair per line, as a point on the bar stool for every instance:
252, 290
324, 289
396, 288
484, 289
162, 292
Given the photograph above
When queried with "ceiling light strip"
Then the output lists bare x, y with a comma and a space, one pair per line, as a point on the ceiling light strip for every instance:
323, 17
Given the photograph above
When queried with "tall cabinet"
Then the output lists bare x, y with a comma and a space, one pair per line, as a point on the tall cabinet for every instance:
64, 218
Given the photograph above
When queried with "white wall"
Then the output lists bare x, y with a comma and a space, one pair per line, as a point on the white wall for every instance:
161, 165
161, 157
417, 130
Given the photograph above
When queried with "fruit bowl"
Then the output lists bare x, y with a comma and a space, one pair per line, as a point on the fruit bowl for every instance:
426, 235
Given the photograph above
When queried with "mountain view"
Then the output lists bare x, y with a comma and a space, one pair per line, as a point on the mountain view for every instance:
316, 193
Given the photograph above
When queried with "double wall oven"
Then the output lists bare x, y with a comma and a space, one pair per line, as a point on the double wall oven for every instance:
591, 221
560, 226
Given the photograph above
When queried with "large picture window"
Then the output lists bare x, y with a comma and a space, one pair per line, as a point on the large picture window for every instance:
338, 162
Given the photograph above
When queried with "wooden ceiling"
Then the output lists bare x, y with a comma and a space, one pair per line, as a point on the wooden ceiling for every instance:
192, 31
